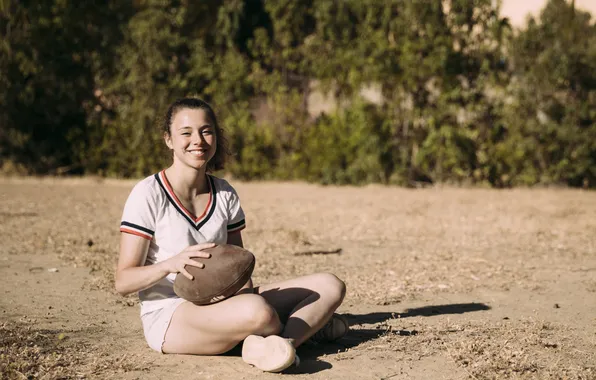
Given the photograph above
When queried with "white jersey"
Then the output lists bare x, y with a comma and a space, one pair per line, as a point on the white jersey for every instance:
154, 212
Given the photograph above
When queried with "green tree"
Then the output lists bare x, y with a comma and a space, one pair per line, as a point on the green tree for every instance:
553, 105
52, 55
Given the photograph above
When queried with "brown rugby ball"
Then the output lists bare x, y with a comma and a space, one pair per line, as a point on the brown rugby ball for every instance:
225, 272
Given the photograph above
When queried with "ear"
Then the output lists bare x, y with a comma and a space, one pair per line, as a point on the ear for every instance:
168, 139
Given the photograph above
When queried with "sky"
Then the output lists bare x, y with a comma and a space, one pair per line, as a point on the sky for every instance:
517, 10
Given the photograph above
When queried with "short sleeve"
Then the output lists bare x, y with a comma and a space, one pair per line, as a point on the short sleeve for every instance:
236, 219
138, 217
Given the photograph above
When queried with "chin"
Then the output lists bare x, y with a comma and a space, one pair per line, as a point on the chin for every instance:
196, 166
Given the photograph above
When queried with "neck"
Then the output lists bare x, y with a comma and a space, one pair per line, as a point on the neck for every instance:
187, 182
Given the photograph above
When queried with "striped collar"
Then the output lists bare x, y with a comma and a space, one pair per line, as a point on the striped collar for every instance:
196, 222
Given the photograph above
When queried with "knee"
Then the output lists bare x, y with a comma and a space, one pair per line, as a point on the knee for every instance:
331, 287
258, 316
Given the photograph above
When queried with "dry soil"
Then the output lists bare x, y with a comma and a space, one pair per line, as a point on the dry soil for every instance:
443, 283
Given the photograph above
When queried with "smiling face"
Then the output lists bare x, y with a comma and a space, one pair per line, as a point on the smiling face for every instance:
192, 138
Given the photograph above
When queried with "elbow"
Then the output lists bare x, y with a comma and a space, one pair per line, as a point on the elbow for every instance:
120, 290
121, 287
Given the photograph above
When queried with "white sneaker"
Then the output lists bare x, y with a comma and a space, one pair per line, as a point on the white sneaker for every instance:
269, 354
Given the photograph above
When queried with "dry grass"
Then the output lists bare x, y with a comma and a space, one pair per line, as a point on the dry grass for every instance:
29, 353
530, 349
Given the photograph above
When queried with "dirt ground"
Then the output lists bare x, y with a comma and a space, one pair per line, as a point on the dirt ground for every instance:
443, 283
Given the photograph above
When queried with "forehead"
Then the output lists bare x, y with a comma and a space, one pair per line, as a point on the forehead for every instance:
190, 117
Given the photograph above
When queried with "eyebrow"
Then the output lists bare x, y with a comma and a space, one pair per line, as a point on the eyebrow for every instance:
205, 126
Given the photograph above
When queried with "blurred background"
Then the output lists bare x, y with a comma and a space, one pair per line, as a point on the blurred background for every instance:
472, 92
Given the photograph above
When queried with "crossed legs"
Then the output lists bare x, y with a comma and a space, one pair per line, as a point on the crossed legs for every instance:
305, 304
294, 309
217, 328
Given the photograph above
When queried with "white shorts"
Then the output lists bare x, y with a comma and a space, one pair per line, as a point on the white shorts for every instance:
156, 323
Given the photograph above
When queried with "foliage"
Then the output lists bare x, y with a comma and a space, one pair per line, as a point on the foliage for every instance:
554, 92
52, 54
463, 98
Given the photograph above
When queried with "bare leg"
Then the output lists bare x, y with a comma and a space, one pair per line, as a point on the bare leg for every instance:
305, 304
217, 328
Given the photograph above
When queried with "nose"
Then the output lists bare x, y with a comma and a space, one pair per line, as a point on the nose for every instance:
197, 139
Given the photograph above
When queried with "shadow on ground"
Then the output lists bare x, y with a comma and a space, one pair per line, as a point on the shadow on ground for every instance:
358, 336
309, 363
309, 354
426, 311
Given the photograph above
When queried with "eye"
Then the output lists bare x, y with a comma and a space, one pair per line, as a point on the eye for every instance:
207, 132
185, 133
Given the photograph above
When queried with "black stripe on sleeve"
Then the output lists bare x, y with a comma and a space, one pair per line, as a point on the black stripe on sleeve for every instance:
236, 225
147, 230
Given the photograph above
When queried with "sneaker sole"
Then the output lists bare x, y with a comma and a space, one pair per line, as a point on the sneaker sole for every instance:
270, 354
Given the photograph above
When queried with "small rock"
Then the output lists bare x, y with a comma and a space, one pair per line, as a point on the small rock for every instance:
53, 270
557, 306
90, 243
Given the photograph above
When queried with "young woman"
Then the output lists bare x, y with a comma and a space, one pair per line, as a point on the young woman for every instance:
171, 217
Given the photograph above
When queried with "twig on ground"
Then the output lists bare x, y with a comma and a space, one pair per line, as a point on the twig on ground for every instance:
318, 252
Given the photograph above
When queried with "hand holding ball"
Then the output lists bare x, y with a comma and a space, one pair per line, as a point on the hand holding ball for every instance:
224, 273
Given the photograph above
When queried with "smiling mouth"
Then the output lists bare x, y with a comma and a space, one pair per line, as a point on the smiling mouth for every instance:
197, 152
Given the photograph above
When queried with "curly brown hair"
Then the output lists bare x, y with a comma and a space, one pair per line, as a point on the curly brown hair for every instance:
221, 147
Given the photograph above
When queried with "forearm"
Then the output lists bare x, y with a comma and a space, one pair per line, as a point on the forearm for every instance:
134, 279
